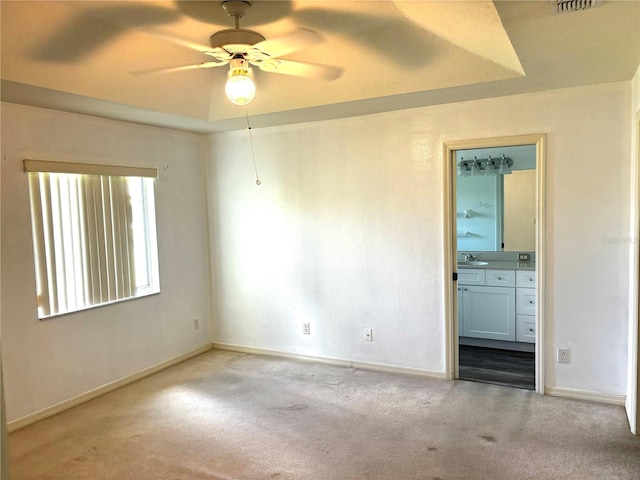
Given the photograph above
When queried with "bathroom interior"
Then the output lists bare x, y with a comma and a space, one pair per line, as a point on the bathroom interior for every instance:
496, 243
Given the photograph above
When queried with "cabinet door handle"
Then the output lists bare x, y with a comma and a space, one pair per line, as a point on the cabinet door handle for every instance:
530, 302
531, 279
531, 330
466, 289
499, 278
459, 288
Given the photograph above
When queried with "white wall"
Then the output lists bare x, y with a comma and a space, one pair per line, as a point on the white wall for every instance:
633, 387
520, 211
481, 198
4, 449
47, 362
346, 231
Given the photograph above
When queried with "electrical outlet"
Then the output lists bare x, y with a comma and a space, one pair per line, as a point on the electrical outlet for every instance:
564, 355
196, 323
368, 335
524, 257
306, 328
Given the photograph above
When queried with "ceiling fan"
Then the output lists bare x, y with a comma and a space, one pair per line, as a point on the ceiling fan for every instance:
93, 25
239, 48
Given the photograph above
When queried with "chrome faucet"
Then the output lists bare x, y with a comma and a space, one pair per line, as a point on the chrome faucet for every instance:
469, 257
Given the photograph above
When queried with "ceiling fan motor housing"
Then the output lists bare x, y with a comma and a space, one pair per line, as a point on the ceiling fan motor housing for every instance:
235, 40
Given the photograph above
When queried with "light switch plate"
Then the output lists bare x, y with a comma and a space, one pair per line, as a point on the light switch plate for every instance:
368, 335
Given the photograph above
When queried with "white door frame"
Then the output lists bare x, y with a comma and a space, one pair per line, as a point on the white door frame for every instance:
450, 262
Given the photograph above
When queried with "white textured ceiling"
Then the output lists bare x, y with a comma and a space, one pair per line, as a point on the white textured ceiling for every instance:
81, 56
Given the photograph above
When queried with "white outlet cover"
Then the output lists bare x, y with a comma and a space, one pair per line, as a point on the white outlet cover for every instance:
564, 355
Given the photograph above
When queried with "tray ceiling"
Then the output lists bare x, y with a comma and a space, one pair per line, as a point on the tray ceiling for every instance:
83, 56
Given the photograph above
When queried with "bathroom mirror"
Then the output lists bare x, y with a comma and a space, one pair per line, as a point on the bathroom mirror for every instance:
496, 212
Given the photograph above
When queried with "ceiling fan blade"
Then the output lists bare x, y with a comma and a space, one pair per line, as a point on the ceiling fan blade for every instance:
180, 68
90, 30
288, 43
177, 40
299, 69
374, 31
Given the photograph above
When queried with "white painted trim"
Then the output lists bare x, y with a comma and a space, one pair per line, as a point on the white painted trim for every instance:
340, 362
97, 392
541, 261
587, 395
450, 264
451, 360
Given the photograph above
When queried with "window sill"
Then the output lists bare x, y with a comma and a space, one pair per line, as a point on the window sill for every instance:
99, 305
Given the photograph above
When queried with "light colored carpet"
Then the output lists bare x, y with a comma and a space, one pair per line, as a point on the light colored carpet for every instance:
225, 415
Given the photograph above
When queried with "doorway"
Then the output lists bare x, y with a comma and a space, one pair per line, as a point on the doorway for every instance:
494, 202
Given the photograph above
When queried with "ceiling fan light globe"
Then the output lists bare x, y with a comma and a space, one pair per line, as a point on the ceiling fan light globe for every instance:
240, 88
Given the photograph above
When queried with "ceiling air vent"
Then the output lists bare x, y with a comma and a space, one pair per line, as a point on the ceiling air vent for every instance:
564, 6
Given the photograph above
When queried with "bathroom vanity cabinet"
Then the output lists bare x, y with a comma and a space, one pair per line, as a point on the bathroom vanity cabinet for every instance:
496, 304
525, 306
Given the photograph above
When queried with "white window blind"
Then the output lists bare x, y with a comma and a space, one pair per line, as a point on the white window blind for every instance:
94, 234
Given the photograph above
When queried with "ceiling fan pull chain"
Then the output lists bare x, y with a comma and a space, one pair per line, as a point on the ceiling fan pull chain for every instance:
253, 155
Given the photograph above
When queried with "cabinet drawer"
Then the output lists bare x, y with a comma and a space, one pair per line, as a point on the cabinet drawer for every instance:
471, 276
525, 328
525, 301
501, 278
525, 279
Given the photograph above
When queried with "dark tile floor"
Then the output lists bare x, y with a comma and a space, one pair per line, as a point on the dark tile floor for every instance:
500, 367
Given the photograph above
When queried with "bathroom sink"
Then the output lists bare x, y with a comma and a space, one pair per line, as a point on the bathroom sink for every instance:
472, 263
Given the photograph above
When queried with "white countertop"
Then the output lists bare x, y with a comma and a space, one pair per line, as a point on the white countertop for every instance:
501, 265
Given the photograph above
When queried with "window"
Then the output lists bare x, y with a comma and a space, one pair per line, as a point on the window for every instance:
94, 234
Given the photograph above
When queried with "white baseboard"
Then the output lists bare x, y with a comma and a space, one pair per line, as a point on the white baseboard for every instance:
96, 392
575, 394
342, 362
570, 393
